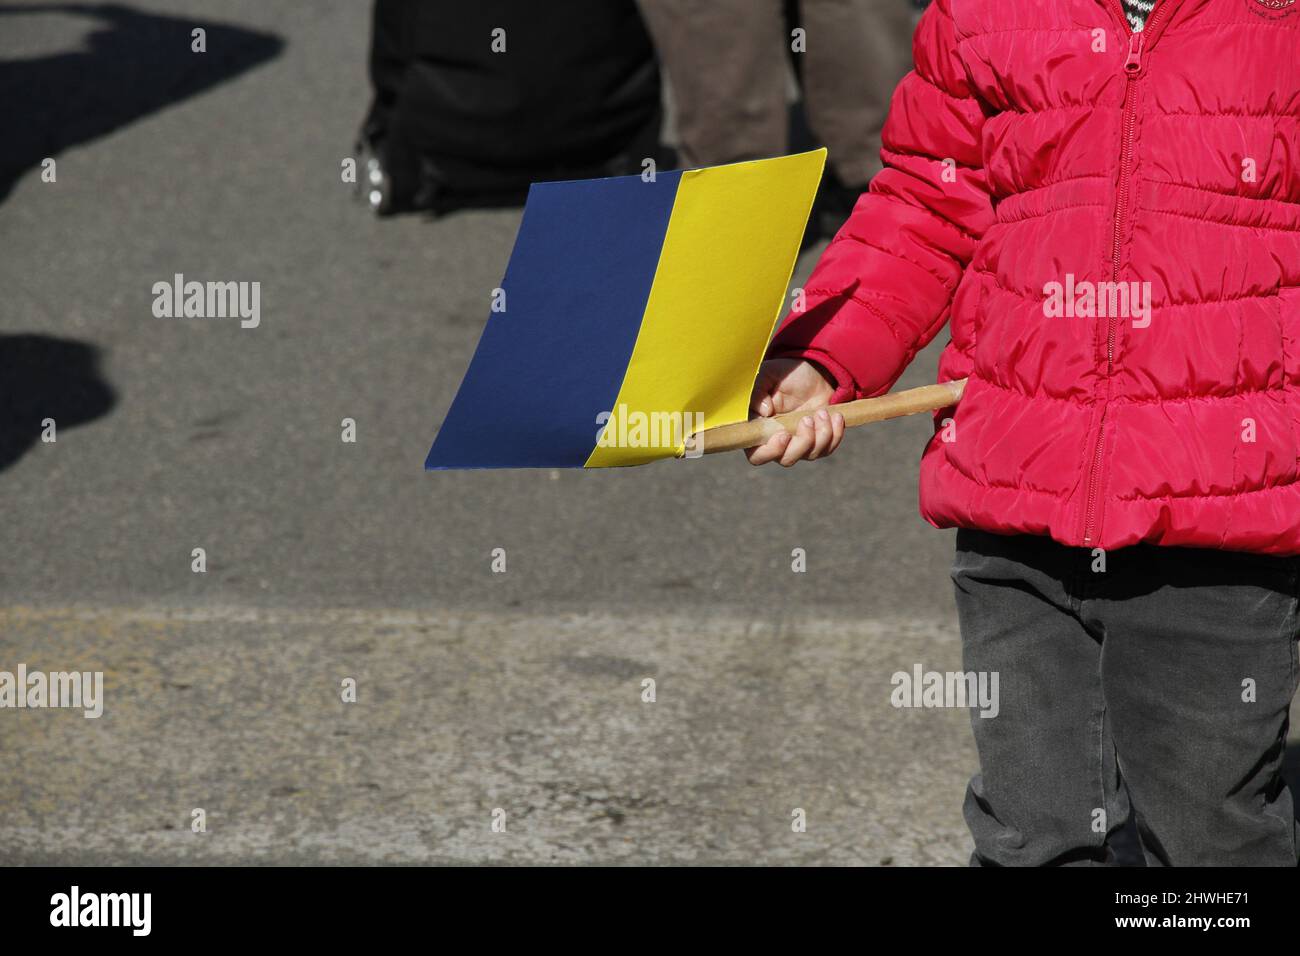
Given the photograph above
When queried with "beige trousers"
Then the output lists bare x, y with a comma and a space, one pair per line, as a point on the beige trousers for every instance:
727, 63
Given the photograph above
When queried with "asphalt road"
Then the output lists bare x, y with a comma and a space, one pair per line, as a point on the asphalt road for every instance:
477, 691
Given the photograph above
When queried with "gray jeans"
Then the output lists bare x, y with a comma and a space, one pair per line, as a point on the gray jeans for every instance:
1155, 691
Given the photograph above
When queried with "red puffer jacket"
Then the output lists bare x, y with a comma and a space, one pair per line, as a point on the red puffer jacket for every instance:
1046, 169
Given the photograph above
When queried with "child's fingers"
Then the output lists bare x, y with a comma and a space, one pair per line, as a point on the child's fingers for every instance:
770, 450
822, 433
837, 431
762, 403
802, 442
817, 436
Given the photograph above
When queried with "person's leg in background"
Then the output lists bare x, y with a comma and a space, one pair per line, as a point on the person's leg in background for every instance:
1199, 666
1047, 792
727, 68
858, 50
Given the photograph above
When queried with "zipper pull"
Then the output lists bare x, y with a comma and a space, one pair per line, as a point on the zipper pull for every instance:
1136, 42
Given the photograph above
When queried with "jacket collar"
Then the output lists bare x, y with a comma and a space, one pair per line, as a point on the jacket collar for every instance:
1155, 24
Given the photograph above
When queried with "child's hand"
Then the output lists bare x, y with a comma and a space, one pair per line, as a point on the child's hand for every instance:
791, 385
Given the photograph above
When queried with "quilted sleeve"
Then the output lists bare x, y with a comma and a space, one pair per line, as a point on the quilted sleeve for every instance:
884, 286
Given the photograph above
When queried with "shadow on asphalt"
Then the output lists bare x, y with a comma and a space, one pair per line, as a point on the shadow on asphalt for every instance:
46, 378
130, 65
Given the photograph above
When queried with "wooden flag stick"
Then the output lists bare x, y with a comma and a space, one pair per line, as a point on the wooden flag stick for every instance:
928, 398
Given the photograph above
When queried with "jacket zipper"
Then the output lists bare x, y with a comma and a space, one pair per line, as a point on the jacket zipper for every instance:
1133, 67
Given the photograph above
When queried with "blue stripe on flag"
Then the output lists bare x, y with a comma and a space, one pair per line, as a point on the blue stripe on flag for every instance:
575, 291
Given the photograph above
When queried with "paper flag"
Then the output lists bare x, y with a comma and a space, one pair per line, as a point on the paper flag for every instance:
632, 314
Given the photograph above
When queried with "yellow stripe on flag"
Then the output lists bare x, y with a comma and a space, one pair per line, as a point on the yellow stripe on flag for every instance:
718, 290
